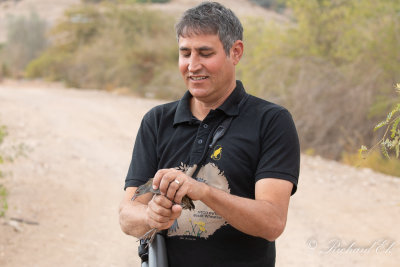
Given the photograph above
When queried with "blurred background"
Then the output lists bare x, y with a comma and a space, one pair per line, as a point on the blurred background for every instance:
334, 64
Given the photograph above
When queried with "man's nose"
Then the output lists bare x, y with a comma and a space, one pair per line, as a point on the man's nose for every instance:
194, 64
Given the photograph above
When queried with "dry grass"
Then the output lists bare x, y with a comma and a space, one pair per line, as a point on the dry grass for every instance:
374, 161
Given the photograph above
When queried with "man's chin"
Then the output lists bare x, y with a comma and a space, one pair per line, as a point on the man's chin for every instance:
199, 92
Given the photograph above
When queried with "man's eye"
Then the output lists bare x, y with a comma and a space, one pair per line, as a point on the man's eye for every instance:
207, 55
185, 55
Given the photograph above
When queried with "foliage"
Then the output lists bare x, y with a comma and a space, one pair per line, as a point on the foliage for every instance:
3, 191
390, 141
329, 66
152, 1
375, 161
278, 5
3, 134
128, 1
109, 46
3, 201
92, 1
25, 40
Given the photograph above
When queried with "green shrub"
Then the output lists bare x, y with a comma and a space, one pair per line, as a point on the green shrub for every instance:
331, 66
278, 5
92, 1
25, 41
3, 191
390, 140
148, 1
3, 201
375, 161
111, 46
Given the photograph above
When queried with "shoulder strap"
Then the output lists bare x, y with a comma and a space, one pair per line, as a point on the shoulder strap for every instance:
218, 134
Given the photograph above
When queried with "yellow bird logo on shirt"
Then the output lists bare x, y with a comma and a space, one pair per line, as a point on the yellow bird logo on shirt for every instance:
216, 155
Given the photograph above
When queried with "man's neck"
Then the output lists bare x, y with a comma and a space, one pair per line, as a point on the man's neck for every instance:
200, 109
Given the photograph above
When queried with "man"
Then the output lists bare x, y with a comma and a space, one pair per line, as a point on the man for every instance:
242, 188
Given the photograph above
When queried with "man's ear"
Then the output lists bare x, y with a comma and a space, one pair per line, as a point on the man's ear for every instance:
236, 51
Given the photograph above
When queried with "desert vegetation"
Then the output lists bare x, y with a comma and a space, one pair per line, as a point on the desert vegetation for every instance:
334, 67
3, 190
333, 64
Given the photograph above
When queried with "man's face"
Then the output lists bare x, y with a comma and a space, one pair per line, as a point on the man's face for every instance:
207, 71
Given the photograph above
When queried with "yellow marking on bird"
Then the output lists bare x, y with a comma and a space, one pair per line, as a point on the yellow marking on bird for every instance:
217, 153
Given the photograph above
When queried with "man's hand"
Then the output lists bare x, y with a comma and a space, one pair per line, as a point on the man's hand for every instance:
175, 184
161, 213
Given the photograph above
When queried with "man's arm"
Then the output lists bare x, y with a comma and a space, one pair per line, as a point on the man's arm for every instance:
265, 216
146, 212
132, 214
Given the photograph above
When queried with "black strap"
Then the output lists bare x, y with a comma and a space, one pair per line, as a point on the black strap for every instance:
218, 134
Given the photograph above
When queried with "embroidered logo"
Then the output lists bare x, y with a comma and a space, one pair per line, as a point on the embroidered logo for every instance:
217, 153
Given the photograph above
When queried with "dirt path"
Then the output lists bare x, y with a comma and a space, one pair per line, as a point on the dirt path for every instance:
77, 146
74, 149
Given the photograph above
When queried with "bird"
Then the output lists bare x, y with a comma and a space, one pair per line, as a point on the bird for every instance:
187, 203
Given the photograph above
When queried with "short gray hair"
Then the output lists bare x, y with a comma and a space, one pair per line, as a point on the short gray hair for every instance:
211, 18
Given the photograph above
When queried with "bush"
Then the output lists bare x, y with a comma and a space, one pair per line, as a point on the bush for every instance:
374, 161
147, 1
3, 191
389, 144
110, 46
25, 41
278, 5
127, 1
390, 140
331, 66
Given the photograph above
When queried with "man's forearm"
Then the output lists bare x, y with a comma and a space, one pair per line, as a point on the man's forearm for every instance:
132, 218
254, 217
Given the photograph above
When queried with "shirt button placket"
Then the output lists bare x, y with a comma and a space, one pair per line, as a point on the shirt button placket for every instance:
204, 131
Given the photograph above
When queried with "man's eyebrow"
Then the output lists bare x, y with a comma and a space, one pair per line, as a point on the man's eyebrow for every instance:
199, 49
204, 48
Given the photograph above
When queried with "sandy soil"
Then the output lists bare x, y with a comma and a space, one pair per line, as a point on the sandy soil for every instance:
71, 150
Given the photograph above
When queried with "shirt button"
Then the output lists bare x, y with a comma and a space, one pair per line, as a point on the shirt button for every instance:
205, 126
200, 141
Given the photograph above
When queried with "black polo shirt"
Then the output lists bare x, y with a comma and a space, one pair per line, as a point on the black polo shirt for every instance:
261, 142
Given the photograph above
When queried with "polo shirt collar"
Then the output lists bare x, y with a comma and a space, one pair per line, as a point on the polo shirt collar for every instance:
183, 113
229, 107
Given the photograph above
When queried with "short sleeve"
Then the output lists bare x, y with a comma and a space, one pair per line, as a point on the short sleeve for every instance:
144, 156
280, 149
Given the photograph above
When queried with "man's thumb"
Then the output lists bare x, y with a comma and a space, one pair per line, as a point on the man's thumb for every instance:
176, 211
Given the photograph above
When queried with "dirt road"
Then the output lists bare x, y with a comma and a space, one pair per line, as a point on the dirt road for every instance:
71, 150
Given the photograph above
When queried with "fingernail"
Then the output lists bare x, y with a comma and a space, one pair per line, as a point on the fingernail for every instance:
154, 187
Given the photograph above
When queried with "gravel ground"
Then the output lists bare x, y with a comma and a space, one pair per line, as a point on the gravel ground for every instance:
70, 151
